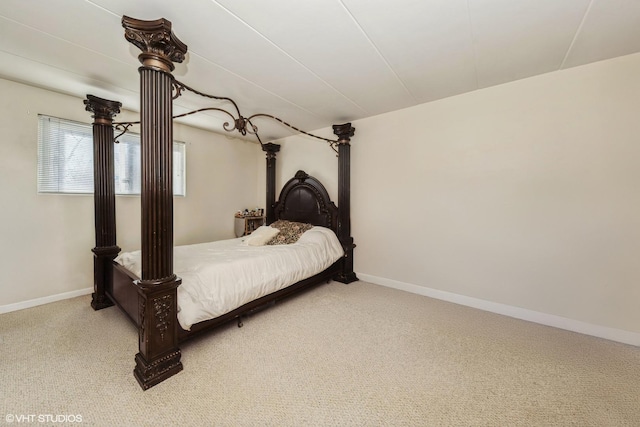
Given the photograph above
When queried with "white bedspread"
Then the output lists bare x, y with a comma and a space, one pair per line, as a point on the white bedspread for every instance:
218, 277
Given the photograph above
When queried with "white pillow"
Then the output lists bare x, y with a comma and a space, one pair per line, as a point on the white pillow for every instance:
261, 235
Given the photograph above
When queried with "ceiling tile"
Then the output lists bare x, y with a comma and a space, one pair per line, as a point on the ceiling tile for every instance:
610, 29
41, 48
78, 22
426, 42
232, 86
337, 51
518, 39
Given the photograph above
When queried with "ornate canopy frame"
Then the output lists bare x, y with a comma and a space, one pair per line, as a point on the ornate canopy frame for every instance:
151, 300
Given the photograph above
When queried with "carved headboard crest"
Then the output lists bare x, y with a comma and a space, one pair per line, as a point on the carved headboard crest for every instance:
301, 175
304, 199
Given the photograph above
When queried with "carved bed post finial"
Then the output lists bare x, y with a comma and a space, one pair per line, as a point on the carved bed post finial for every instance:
271, 150
103, 110
160, 47
344, 133
159, 356
104, 196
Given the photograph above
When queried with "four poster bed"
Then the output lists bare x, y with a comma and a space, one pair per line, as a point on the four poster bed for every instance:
145, 284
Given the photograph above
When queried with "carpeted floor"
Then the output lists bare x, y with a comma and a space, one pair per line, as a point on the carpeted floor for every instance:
356, 354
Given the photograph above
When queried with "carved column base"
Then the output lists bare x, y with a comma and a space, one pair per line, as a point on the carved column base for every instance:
149, 374
102, 275
159, 355
98, 302
346, 277
346, 274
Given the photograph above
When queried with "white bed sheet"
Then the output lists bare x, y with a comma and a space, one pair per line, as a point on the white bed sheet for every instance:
220, 276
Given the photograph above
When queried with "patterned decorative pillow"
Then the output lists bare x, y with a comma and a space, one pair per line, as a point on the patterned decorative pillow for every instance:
290, 232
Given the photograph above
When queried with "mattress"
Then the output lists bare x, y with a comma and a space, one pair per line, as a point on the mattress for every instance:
218, 277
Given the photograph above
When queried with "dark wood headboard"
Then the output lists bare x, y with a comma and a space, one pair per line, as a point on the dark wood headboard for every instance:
304, 199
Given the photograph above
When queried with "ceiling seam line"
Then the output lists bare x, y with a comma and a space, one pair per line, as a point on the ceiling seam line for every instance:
364, 110
575, 36
103, 8
372, 43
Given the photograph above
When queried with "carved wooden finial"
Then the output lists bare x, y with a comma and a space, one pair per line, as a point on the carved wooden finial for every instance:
344, 132
271, 149
160, 47
103, 110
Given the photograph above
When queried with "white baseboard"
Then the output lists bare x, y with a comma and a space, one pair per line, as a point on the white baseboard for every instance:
44, 300
618, 335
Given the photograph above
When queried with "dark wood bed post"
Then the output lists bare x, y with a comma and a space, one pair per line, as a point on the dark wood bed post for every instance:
159, 356
104, 196
344, 133
271, 150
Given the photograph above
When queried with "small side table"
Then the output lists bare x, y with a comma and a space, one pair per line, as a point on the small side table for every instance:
247, 224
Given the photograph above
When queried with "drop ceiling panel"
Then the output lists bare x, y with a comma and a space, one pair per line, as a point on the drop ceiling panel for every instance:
316, 62
337, 50
518, 39
426, 42
610, 29
251, 99
42, 48
79, 23
25, 71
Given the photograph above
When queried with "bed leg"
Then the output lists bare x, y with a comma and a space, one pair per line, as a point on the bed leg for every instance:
240, 324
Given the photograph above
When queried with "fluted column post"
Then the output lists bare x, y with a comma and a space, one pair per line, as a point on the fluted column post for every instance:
159, 356
271, 150
344, 133
104, 197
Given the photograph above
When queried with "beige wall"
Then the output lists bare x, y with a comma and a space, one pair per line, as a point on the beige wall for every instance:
524, 194
312, 155
46, 240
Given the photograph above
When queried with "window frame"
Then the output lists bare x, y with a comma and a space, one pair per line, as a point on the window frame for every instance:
51, 169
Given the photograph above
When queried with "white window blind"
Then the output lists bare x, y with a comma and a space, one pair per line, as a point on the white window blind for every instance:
65, 159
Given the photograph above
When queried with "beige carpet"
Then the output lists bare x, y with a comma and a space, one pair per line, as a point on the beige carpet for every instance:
356, 354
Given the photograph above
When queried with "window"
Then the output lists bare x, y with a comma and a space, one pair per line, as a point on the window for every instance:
65, 159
